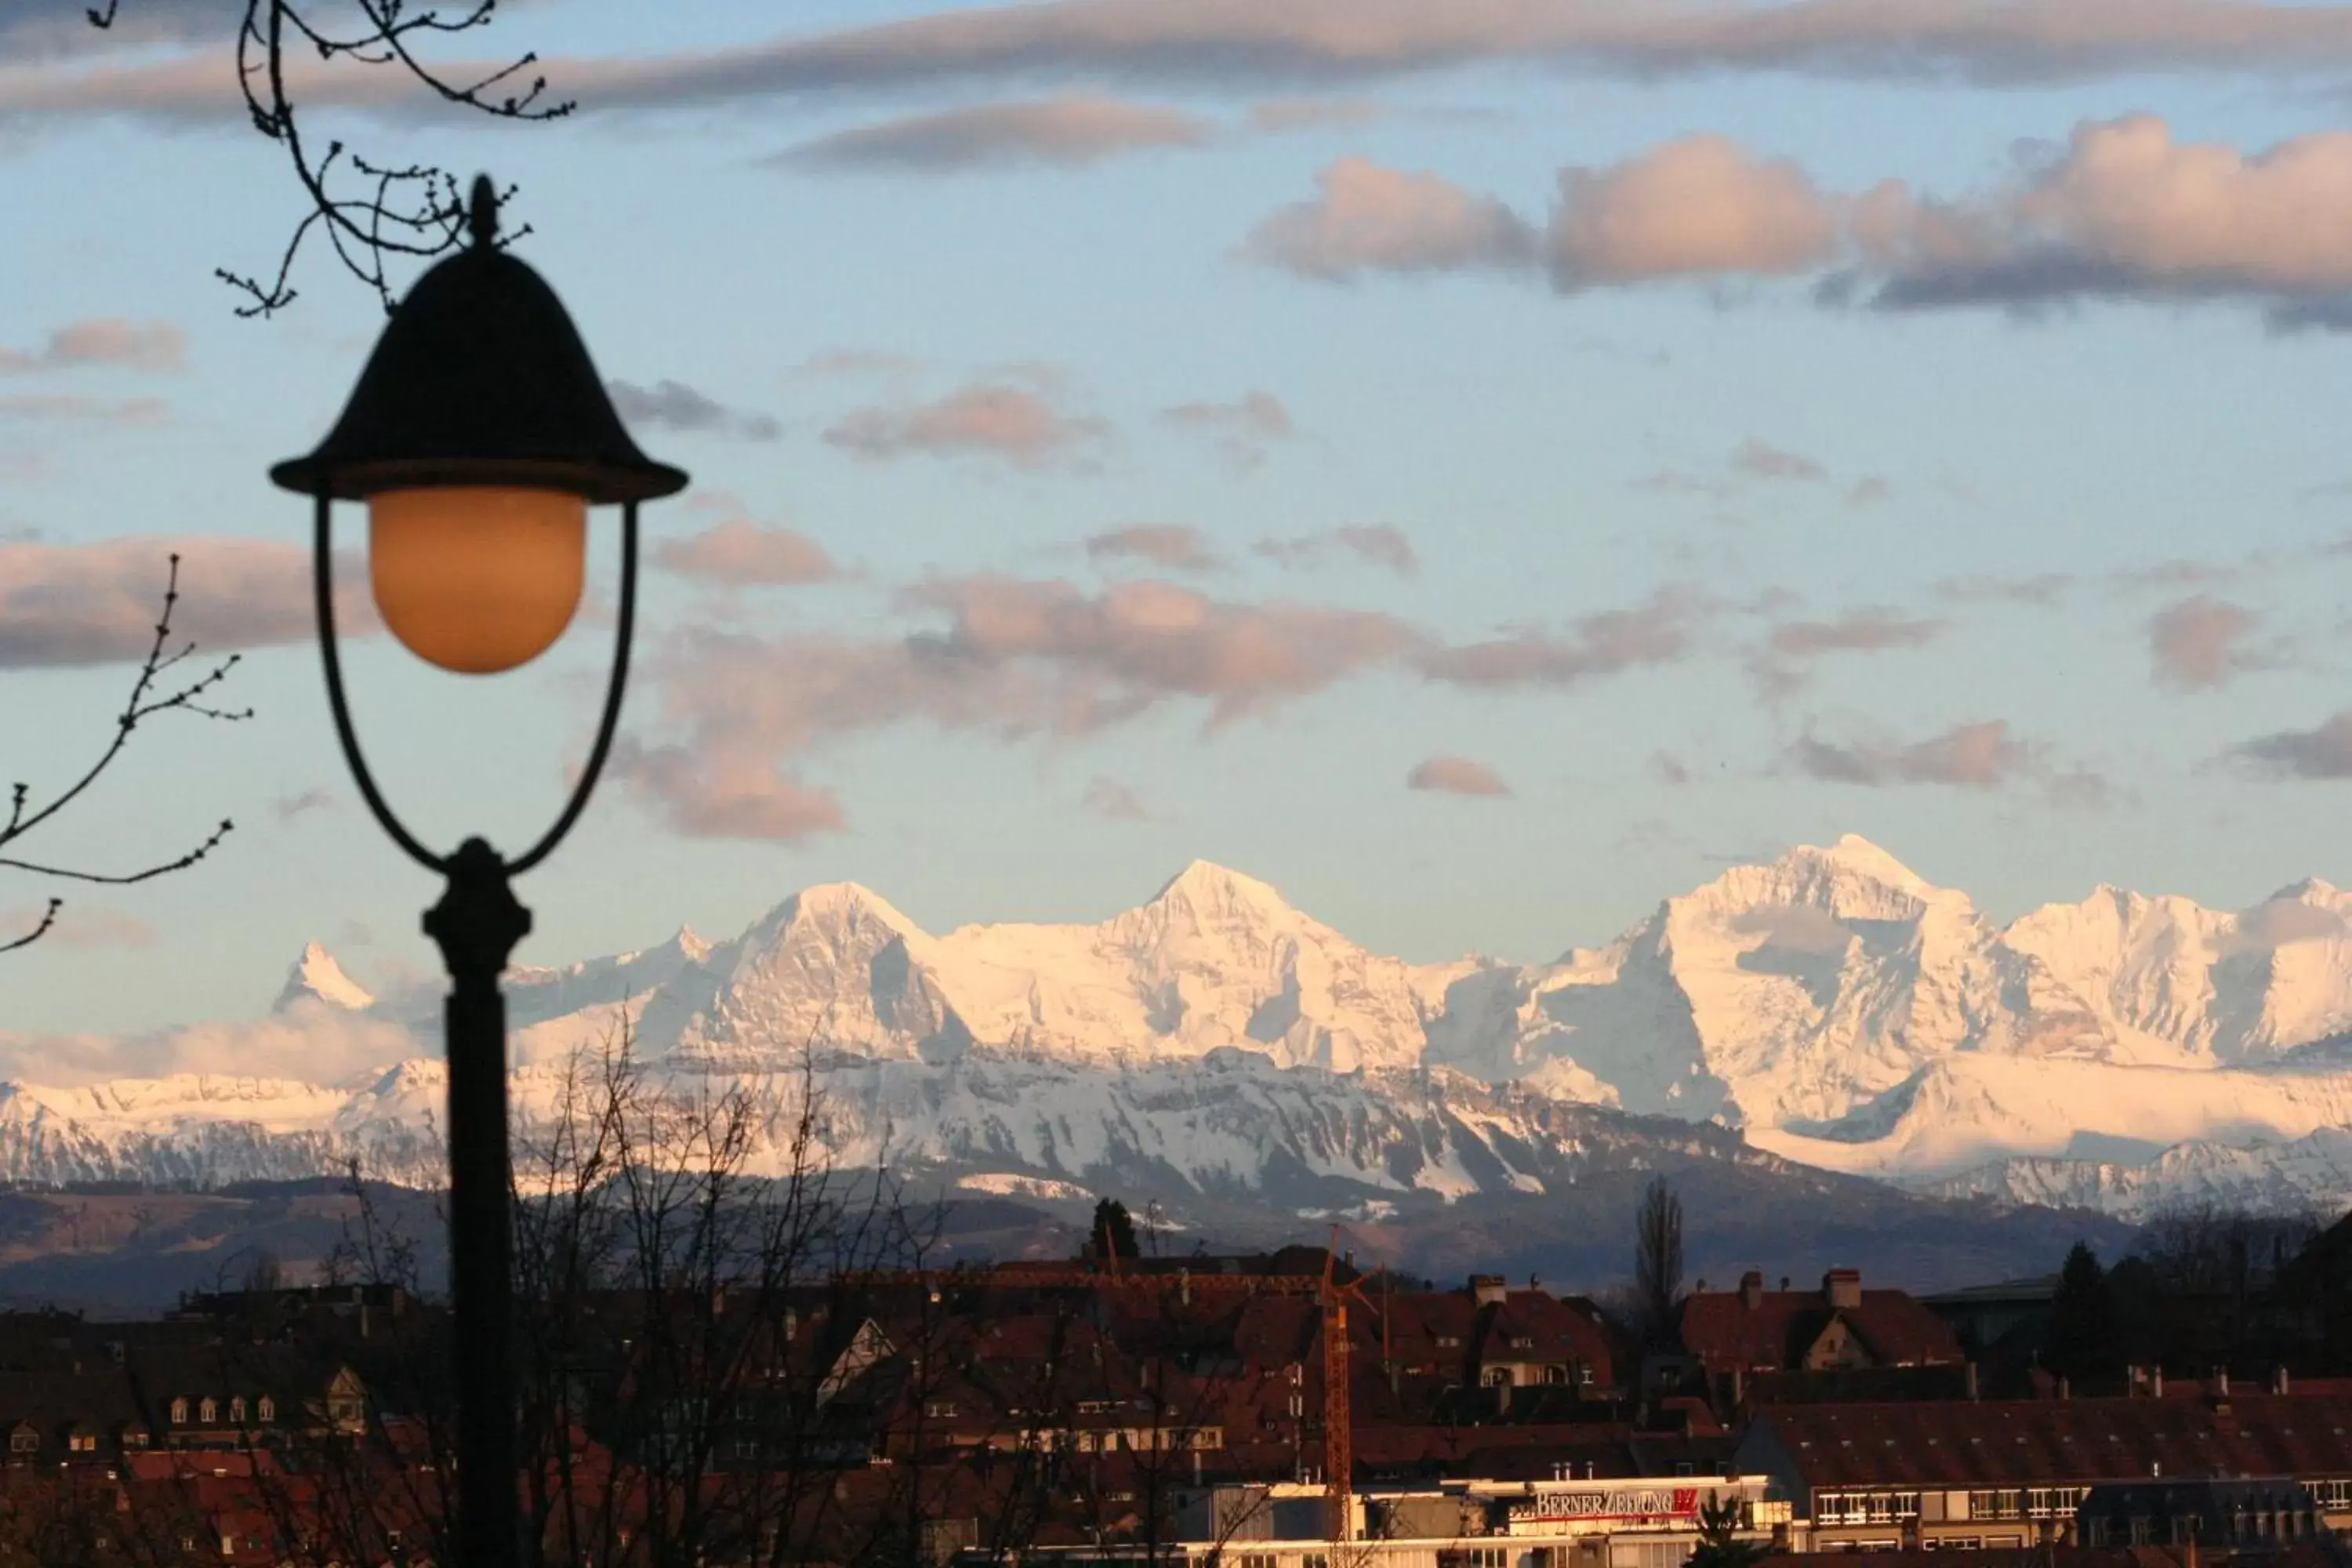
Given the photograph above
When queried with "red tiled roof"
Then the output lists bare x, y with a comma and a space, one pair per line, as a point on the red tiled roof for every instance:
1723, 1329
2017, 1443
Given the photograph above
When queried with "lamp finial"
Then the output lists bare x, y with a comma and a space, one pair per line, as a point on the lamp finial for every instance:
482, 212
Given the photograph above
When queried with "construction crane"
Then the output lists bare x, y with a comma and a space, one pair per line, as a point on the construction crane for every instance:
1329, 1295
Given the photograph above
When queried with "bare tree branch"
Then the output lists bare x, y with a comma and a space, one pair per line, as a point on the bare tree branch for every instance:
156, 690
374, 214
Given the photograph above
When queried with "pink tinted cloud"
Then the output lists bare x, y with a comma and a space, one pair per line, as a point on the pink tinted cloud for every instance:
741, 553
1069, 131
105, 342
1603, 642
1177, 546
63, 605
1701, 206
1243, 429
2202, 642
999, 419
1369, 218
1455, 775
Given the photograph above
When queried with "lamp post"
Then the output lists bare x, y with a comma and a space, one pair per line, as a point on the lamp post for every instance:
479, 435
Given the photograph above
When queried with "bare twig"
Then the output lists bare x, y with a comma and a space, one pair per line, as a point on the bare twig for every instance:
374, 214
156, 690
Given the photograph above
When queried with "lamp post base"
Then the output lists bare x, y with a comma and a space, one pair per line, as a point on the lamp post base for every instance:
477, 924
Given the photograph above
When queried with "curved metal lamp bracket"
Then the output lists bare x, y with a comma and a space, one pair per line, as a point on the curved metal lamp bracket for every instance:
323, 583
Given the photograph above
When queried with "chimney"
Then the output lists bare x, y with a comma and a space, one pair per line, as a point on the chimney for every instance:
1487, 1290
2222, 1381
1844, 1288
2279, 1379
1751, 1290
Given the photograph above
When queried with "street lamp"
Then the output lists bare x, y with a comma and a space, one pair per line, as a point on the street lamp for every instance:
479, 435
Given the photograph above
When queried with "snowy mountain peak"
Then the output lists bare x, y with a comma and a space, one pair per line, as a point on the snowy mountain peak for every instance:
317, 977
1855, 853
832, 902
1207, 886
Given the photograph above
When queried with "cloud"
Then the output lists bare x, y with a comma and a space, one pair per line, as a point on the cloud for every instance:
1604, 643
1135, 644
1761, 460
1868, 630
1067, 131
1215, 45
1868, 491
1278, 116
1982, 756
992, 419
1380, 545
311, 1043
713, 793
318, 797
61, 408
1455, 775
674, 406
736, 717
2121, 210
737, 553
2324, 753
2200, 643
1701, 206
1369, 218
1243, 429
65, 604
106, 341
80, 925
1108, 797
1177, 546
1669, 769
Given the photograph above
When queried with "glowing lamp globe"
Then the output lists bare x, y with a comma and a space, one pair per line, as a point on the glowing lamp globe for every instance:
478, 436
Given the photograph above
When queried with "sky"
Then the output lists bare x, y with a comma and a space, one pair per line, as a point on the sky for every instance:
1481, 469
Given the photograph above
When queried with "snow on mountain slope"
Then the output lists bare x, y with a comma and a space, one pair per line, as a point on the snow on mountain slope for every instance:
1948, 1116
1232, 1124
1844, 1009
2310, 1173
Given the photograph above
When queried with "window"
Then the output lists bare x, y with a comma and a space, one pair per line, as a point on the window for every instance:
268, 1408
236, 1410
2333, 1496
24, 1440
1448, 1342
1583, 1374
939, 1409
207, 1413
180, 1418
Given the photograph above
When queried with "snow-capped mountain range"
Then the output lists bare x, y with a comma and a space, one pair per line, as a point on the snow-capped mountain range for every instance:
2121, 1053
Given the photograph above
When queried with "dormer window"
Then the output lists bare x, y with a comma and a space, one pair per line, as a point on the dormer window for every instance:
269, 1409
179, 1413
207, 1413
236, 1411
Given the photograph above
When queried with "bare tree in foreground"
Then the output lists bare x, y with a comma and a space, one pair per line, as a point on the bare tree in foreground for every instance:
375, 213
161, 687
